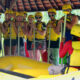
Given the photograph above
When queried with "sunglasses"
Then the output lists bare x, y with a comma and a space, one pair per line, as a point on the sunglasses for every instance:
51, 15
38, 17
67, 10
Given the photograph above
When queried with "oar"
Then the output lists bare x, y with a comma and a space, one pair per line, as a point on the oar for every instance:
18, 40
34, 44
65, 17
10, 29
49, 43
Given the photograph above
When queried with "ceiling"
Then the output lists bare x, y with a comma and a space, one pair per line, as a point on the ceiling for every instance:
36, 5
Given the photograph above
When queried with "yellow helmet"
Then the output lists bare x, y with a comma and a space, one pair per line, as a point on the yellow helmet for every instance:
19, 14
9, 11
38, 14
52, 10
66, 6
25, 12
31, 16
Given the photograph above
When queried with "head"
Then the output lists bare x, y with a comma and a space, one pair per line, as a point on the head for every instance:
19, 16
38, 16
31, 18
52, 13
67, 8
25, 15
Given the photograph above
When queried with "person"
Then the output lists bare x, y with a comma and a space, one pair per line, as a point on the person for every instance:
30, 35
40, 36
9, 30
70, 21
73, 49
53, 35
21, 31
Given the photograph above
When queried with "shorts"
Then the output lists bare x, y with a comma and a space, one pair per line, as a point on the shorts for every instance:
21, 41
53, 44
40, 44
29, 45
7, 42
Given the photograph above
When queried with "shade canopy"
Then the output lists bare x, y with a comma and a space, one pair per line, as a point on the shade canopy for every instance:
36, 5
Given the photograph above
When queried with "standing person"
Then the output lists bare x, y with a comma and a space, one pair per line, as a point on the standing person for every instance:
30, 35
53, 28
9, 30
71, 20
40, 36
21, 31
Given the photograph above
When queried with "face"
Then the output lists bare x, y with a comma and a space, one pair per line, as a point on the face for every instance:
19, 18
30, 19
12, 16
38, 18
51, 15
68, 11
7, 17
25, 16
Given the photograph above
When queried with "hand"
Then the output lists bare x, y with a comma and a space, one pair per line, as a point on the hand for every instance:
60, 21
50, 25
63, 39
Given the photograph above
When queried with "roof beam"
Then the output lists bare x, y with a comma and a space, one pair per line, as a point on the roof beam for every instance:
3, 8
13, 2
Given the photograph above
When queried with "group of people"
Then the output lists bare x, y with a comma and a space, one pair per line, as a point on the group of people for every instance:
39, 36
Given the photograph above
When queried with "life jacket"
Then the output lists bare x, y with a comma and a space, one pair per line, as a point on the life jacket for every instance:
6, 34
9, 33
75, 56
67, 34
40, 26
21, 34
54, 35
30, 37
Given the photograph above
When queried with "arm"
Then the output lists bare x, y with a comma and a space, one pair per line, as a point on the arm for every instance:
58, 27
73, 22
43, 31
15, 28
4, 28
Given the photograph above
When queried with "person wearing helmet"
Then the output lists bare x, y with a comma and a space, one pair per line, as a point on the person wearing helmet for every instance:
21, 31
53, 35
30, 35
9, 30
40, 36
71, 20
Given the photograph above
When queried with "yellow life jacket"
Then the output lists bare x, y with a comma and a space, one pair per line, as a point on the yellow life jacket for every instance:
30, 37
39, 26
75, 56
25, 37
20, 33
13, 33
76, 30
54, 35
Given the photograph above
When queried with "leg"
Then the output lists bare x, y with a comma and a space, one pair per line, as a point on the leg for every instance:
6, 50
13, 50
6, 47
55, 56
